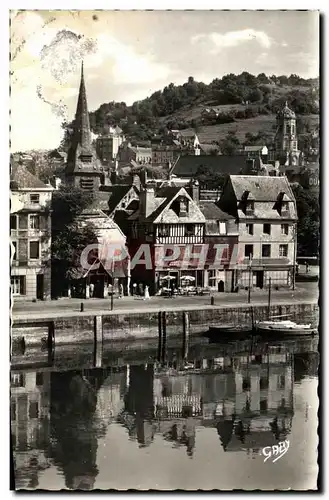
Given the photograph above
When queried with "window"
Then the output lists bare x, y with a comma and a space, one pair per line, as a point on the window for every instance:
267, 228
189, 229
246, 385
34, 221
263, 405
263, 383
13, 222
17, 380
34, 410
34, 249
284, 229
18, 285
284, 206
281, 382
13, 411
87, 184
283, 250
250, 206
222, 227
39, 378
14, 250
250, 228
248, 250
34, 198
163, 231
266, 250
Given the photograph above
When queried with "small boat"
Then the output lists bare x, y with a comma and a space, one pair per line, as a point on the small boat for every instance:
286, 328
218, 332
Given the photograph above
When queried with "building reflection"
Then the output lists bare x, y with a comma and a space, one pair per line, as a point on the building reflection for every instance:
247, 398
29, 416
58, 418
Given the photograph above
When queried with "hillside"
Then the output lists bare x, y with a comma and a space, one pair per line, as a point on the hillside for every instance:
264, 123
235, 103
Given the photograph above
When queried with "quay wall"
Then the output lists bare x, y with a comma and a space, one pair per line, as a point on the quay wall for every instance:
128, 326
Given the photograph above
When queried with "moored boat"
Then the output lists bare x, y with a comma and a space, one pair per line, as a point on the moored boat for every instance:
218, 332
286, 328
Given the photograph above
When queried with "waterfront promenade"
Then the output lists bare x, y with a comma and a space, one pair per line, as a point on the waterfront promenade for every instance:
304, 292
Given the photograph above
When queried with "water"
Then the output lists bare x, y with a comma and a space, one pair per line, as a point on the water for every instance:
136, 424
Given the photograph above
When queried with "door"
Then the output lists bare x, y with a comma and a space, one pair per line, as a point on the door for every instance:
40, 286
259, 279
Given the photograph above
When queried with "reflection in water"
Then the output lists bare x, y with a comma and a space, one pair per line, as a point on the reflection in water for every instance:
58, 418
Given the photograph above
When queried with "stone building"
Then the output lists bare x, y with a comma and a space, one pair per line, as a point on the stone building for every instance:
108, 143
30, 234
265, 209
137, 154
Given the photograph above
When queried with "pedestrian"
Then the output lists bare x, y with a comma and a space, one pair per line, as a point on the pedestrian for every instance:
141, 291
91, 288
146, 293
307, 267
134, 288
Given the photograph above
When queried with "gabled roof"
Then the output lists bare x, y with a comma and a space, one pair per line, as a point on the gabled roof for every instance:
21, 178
161, 201
261, 188
116, 193
188, 165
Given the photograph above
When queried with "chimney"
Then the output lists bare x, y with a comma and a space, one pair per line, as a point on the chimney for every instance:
195, 191
137, 181
146, 197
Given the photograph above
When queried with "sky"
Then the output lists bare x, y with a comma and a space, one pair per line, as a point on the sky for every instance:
130, 54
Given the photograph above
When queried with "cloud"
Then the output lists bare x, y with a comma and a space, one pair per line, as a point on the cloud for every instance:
233, 39
45, 73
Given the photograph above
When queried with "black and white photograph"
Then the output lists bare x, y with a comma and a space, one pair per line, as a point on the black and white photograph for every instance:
164, 250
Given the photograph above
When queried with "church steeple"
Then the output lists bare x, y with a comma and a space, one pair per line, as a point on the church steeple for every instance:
83, 167
81, 122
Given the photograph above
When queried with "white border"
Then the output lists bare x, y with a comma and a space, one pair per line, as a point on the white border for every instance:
4, 198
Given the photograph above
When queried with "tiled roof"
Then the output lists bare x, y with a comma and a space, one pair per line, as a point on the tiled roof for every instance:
212, 212
21, 178
188, 165
261, 188
115, 194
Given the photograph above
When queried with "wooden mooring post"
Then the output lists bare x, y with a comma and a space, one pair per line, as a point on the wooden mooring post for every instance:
98, 341
164, 337
159, 336
186, 334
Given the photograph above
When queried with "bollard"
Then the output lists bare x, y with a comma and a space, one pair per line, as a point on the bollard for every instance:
212, 301
82, 307
186, 333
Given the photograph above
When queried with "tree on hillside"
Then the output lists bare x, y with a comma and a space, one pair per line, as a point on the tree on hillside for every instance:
208, 179
69, 238
308, 225
230, 144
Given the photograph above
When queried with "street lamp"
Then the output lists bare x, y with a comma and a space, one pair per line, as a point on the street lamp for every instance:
249, 287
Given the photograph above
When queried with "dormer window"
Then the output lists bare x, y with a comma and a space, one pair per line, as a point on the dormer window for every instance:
284, 206
250, 207
183, 206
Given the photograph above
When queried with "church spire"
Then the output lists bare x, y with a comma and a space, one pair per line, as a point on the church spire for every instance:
81, 123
